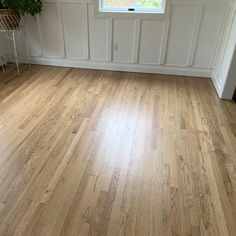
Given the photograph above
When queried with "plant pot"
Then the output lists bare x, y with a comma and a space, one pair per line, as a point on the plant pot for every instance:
9, 19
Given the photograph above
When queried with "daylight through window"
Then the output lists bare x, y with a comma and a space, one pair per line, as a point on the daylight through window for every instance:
145, 6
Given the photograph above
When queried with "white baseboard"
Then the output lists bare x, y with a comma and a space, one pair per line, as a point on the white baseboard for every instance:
217, 83
154, 69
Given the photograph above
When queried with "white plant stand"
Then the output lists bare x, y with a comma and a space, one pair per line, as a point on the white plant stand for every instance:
11, 35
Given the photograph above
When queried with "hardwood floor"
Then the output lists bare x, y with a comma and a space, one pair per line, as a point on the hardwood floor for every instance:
85, 152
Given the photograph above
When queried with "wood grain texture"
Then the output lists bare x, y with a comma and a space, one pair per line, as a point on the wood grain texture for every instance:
86, 152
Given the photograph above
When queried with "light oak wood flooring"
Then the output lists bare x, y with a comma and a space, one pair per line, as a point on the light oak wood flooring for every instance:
86, 152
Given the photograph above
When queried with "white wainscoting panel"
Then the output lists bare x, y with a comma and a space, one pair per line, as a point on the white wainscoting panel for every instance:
51, 30
74, 30
4, 48
32, 39
123, 40
188, 41
228, 55
222, 77
98, 36
153, 38
181, 34
207, 39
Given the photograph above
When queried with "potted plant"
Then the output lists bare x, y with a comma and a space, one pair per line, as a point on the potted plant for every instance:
12, 10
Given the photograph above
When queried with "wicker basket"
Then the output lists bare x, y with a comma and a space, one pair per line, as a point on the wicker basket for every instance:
9, 19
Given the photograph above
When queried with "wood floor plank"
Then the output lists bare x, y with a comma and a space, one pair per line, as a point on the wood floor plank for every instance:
87, 152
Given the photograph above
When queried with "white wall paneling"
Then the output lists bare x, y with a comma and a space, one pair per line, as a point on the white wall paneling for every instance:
75, 35
98, 35
32, 39
153, 38
4, 48
123, 40
51, 30
136, 46
208, 33
186, 41
181, 34
230, 82
224, 76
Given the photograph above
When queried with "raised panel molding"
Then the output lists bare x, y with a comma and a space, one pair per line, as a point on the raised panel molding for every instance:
109, 39
208, 33
223, 43
181, 34
154, 40
98, 32
197, 28
123, 40
68, 33
225, 88
50, 23
136, 47
75, 34
30, 38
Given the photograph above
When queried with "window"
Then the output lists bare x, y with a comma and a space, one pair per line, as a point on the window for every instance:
132, 6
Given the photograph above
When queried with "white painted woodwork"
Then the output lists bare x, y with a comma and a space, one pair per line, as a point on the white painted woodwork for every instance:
68, 28
32, 39
181, 34
4, 49
74, 34
191, 40
224, 77
209, 32
153, 38
230, 82
51, 30
123, 40
4, 45
98, 37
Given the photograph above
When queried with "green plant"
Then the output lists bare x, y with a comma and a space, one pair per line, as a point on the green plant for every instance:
32, 7
148, 4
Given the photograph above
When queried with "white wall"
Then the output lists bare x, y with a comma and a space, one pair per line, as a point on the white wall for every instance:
224, 74
230, 83
4, 48
195, 39
68, 34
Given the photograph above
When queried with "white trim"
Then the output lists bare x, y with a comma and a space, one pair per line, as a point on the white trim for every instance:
223, 42
231, 21
63, 30
228, 92
157, 68
86, 33
109, 39
168, 70
221, 36
136, 46
195, 36
218, 77
217, 42
40, 34
164, 42
217, 83
60, 27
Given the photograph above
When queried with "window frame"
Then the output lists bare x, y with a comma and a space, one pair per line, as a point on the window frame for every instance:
163, 13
